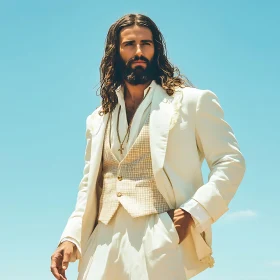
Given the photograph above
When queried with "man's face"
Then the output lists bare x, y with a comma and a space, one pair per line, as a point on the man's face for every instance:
137, 52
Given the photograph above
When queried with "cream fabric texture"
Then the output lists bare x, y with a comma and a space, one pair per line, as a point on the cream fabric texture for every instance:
142, 248
199, 214
185, 129
130, 182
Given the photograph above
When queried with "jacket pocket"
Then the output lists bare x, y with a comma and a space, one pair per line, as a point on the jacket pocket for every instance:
90, 240
86, 259
170, 227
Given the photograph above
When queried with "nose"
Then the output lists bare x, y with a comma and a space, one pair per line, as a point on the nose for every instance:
138, 50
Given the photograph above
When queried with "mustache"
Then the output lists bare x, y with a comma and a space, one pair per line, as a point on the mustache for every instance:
136, 58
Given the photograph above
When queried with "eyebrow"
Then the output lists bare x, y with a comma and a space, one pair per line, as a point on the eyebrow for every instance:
142, 41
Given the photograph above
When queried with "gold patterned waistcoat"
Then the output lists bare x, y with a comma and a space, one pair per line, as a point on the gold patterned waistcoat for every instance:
130, 182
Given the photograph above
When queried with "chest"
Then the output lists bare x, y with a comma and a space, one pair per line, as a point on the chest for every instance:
130, 108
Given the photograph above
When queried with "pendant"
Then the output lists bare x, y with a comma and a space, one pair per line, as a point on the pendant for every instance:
121, 148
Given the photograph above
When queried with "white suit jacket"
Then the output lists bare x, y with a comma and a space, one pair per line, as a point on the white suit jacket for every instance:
184, 129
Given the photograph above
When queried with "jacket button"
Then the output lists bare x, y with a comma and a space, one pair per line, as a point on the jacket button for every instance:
119, 194
119, 177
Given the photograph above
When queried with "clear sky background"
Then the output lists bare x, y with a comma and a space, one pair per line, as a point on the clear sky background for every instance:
50, 53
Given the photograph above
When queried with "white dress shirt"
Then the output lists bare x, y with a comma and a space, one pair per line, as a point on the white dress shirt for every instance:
199, 214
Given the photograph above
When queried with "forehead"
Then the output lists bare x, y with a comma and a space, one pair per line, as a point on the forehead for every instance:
135, 32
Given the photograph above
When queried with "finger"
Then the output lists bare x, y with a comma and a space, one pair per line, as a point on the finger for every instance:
182, 231
62, 275
61, 272
55, 260
179, 214
66, 258
55, 271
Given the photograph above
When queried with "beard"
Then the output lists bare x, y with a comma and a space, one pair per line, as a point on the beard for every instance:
138, 75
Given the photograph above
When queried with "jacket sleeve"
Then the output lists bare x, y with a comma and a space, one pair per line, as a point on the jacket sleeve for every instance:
74, 224
201, 218
217, 144
77, 254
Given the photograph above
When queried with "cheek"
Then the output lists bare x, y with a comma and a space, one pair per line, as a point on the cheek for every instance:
125, 55
150, 53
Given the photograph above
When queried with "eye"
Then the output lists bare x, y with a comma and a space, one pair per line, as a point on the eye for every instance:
129, 44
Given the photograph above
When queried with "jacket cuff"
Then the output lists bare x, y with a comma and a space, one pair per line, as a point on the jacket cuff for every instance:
200, 216
78, 253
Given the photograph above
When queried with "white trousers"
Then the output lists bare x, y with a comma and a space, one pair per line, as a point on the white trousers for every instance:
143, 248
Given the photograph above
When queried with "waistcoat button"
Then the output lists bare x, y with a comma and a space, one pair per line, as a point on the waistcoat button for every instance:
119, 177
119, 194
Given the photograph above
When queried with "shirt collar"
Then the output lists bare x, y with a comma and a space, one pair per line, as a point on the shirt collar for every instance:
120, 91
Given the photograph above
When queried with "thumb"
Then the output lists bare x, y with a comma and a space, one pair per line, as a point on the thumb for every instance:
66, 258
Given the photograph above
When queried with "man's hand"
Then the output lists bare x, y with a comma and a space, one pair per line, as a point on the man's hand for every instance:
60, 259
181, 219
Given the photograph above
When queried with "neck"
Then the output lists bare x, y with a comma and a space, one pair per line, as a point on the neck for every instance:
135, 93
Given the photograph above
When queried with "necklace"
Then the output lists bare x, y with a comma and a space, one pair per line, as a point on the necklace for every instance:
129, 126
126, 135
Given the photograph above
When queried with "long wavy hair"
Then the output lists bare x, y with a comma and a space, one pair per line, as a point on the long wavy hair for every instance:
167, 75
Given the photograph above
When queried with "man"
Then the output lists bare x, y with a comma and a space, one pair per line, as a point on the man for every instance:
143, 211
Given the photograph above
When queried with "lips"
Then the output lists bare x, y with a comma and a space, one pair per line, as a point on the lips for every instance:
139, 62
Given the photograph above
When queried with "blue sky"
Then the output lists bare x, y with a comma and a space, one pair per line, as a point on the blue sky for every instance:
49, 65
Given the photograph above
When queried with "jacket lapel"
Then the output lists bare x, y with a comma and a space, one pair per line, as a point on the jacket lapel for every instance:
98, 132
164, 114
